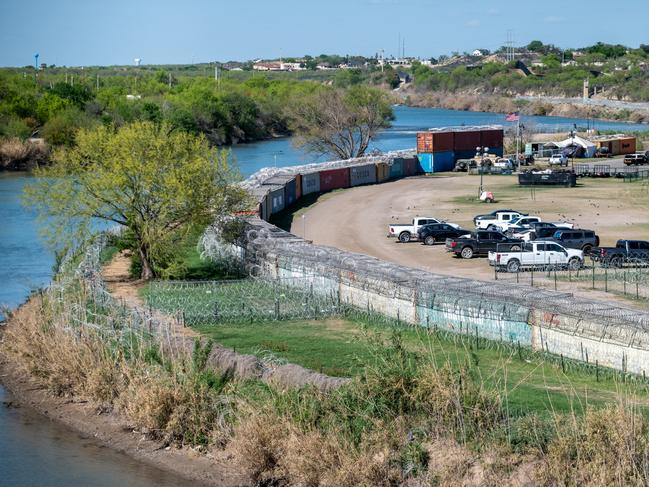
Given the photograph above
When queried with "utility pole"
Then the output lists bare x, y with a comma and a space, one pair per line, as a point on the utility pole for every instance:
169, 80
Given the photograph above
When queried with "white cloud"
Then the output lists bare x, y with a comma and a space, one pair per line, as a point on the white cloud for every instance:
473, 23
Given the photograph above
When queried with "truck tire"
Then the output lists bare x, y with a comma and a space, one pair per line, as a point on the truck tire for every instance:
404, 237
467, 253
616, 262
586, 249
430, 240
574, 263
514, 265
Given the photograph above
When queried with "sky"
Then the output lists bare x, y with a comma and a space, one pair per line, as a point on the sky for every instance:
108, 32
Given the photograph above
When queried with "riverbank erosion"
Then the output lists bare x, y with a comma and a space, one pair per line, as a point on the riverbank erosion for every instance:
133, 381
475, 101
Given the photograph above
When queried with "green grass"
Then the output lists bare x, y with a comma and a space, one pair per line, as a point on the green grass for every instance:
344, 347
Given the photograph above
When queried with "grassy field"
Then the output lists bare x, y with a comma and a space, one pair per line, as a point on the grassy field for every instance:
344, 347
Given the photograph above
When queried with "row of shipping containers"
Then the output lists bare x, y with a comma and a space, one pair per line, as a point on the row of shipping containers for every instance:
279, 192
438, 150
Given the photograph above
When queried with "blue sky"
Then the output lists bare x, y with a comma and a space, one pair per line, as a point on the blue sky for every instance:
92, 32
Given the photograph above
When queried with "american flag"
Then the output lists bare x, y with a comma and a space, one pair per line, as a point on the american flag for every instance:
512, 117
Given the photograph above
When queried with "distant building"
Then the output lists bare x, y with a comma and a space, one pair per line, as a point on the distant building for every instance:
325, 66
267, 66
480, 52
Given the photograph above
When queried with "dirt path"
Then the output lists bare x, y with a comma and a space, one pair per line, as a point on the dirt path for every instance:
123, 287
357, 219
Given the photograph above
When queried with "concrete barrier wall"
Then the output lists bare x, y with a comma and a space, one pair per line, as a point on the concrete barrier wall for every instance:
559, 323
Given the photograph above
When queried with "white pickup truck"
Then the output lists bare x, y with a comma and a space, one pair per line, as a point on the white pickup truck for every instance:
407, 232
526, 222
537, 254
496, 218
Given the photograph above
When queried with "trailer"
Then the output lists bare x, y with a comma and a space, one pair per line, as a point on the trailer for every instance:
539, 178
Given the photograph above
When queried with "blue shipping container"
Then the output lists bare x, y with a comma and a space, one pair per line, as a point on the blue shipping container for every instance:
290, 191
436, 162
396, 169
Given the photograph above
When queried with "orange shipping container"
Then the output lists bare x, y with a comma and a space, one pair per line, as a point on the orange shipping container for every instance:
428, 142
627, 145
382, 172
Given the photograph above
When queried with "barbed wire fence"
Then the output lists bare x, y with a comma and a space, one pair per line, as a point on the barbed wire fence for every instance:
628, 279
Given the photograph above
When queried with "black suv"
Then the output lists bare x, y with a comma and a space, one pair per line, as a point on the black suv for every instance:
438, 232
575, 239
481, 243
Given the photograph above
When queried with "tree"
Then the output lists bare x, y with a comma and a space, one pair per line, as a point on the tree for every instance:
155, 182
340, 123
535, 46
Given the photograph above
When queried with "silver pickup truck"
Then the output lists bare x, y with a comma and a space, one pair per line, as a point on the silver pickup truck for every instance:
408, 232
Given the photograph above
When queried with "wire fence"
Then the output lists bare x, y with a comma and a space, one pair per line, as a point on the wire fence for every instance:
628, 278
245, 300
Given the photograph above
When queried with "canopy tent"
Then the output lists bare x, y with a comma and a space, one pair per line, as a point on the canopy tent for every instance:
577, 147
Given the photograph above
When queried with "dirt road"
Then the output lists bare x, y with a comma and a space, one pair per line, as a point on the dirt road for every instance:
356, 219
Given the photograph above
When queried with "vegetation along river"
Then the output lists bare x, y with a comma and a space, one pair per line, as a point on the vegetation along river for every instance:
33, 451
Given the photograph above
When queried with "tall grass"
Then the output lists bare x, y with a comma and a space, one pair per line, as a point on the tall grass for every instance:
405, 419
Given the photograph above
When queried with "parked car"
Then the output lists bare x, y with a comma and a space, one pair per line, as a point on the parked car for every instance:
490, 220
526, 222
535, 231
438, 232
635, 159
504, 163
480, 244
407, 232
603, 152
558, 160
624, 252
575, 239
537, 254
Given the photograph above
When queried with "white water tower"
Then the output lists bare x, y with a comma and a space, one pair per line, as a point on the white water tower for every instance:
137, 61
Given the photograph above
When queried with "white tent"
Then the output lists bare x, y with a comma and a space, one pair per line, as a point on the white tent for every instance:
587, 146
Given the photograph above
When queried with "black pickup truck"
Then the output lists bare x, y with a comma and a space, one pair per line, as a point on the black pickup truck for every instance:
481, 243
625, 252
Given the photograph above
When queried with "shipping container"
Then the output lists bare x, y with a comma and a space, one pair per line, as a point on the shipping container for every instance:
434, 141
310, 183
261, 197
382, 172
298, 186
468, 154
410, 166
277, 201
290, 192
466, 139
436, 162
365, 174
396, 168
288, 181
627, 145
491, 138
334, 179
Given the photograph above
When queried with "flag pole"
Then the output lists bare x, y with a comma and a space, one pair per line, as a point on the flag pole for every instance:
518, 135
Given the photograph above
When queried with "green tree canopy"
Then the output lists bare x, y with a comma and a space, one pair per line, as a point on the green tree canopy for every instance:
340, 123
156, 182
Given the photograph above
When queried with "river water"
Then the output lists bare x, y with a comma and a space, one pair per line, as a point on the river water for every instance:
34, 451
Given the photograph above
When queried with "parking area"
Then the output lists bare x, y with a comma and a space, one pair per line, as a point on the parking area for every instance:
357, 219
